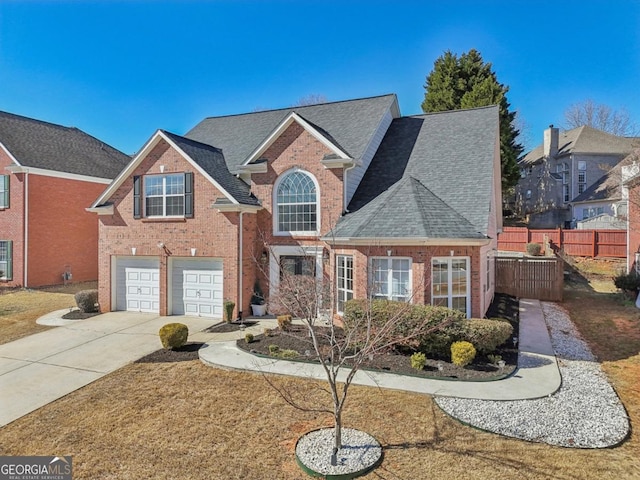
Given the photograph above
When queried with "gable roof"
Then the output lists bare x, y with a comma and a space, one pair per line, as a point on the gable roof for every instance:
347, 125
37, 144
208, 160
586, 140
433, 176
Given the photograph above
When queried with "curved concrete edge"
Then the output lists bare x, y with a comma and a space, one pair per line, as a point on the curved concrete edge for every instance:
54, 319
537, 374
539, 380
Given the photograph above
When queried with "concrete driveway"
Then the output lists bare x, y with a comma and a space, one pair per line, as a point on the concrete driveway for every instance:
41, 368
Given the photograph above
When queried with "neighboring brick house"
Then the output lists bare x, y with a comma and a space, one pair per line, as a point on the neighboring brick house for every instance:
48, 175
562, 168
396, 207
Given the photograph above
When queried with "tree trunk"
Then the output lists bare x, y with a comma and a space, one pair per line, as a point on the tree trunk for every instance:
338, 429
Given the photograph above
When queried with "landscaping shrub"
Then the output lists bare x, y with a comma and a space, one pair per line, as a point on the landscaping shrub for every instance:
273, 349
229, 307
494, 359
87, 301
284, 321
287, 353
627, 281
407, 318
418, 360
462, 353
174, 335
534, 249
486, 334
248, 337
266, 332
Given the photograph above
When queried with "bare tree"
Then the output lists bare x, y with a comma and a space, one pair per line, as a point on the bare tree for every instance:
600, 116
342, 350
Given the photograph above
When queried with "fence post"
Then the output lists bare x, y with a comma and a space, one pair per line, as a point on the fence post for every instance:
559, 238
594, 239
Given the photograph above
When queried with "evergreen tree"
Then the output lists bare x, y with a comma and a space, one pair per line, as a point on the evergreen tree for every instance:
468, 82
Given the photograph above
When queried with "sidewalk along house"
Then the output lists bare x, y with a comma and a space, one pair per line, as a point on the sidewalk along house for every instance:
48, 175
564, 166
405, 208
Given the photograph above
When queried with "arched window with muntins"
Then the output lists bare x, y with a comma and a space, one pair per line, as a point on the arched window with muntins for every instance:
296, 204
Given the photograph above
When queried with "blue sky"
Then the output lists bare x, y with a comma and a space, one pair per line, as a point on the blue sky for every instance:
119, 69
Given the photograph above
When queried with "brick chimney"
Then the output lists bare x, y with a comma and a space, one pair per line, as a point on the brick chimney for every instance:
551, 140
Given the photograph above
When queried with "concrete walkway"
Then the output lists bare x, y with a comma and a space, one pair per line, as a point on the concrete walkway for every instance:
43, 367
537, 375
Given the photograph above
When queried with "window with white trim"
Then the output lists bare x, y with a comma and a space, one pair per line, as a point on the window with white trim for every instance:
582, 182
6, 260
164, 195
4, 191
450, 283
344, 280
391, 278
296, 204
565, 193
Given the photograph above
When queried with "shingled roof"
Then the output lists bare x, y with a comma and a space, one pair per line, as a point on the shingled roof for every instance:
609, 186
433, 176
37, 144
211, 160
349, 125
586, 140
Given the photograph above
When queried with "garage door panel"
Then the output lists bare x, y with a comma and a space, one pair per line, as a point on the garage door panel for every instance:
197, 287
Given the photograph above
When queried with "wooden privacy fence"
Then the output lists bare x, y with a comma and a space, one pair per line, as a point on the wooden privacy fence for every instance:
577, 243
527, 277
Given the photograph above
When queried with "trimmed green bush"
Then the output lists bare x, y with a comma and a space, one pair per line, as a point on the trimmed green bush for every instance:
494, 359
462, 353
284, 321
407, 318
486, 334
534, 249
627, 281
248, 337
174, 335
418, 361
273, 349
87, 300
287, 353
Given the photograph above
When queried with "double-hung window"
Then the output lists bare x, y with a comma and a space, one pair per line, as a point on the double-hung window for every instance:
582, 181
296, 204
391, 278
450, 283
167, 195
6, 260
344, 278
4, 191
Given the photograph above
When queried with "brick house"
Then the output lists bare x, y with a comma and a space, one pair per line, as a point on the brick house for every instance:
48, 175
404, 208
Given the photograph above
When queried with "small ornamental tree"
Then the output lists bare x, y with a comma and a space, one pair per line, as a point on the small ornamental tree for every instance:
341, 352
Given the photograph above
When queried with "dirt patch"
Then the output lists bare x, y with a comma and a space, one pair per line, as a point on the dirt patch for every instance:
226, 327
78, 315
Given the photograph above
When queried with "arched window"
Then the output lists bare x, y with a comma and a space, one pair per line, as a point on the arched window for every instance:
296, 204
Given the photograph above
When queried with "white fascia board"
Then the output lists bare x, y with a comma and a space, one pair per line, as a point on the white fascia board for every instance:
337, 162
102, 210
9, 154
253, 168
236, 207
408, 242
294, 117
56, 174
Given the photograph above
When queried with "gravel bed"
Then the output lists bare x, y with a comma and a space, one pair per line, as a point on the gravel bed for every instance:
584, 413
359, 452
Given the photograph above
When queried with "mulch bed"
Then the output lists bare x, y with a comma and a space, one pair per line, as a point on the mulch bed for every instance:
480, 369
185, 353
225, 327
79, 315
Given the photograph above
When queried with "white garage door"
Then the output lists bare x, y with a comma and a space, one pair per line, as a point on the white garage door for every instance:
197, 287
138, 284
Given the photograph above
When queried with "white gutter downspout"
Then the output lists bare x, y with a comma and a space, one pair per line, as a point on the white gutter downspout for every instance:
25, 259
344, 189
240, 227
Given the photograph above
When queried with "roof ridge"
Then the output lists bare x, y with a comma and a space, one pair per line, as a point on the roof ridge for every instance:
297, 107
44, 122
427, 114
